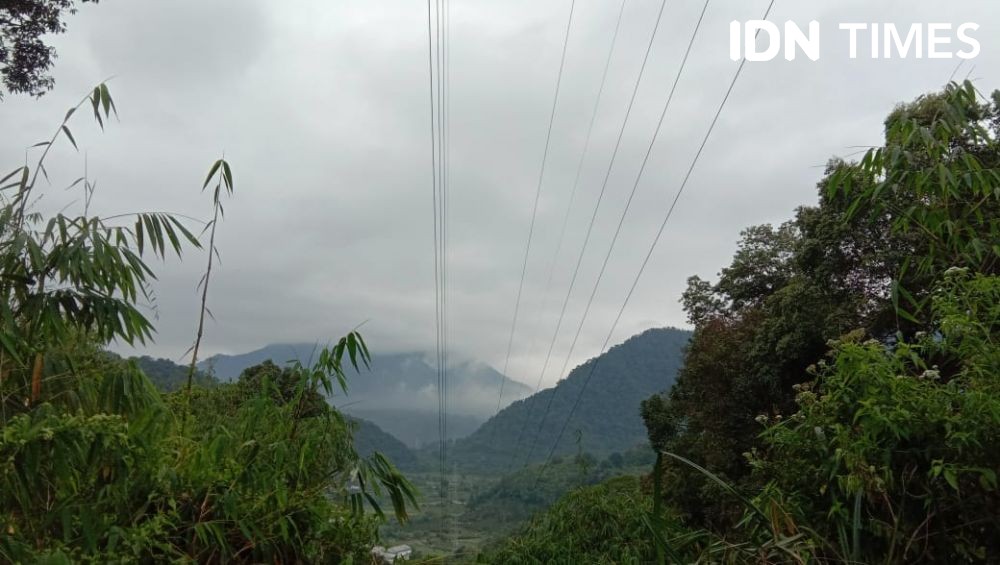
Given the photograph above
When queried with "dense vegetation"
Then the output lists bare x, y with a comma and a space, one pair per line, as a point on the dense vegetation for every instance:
606, 420
840, 399
96, 465
517, 496
845, 365
601, 524
168, 376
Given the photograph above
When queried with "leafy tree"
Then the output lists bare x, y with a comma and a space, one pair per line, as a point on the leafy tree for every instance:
892, 456
24, 57
867, 258
935, 180
98, 466
866, 345
895, 444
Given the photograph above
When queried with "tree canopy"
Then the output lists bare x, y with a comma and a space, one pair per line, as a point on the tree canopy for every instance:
25, 58
844, 365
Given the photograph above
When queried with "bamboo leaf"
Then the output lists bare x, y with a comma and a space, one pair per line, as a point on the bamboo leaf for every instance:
8, 344
227, 175
660, 541
729, 488
211, 173
105, 98
69, 136
139, 236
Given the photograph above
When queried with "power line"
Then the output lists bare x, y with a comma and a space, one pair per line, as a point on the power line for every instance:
580, 163
586, 144
621, 220
443, 164
434, 41
593, 218
445, 200
442, 409
652, 247
534, 208
447, 195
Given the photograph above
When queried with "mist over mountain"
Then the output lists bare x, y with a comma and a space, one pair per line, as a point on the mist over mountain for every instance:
607, 418
415, 428
399, 392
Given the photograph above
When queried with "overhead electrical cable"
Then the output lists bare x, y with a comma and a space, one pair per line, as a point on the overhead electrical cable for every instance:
576, 180
433, 55
534, 208
442, 408
443, 164
593, 218
443, 197
649, 253
624, 214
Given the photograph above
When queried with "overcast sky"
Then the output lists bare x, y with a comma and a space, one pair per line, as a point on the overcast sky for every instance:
322, 110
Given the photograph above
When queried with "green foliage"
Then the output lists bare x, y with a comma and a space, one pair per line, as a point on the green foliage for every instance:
224, 177
883, 449
97, 466
168, 376
598, 524
254, 479
936, 178
867, 258
517, 496
68, 274
912, 431
24, 57
941, 155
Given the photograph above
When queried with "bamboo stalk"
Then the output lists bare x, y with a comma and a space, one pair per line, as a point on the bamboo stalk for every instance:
36, 377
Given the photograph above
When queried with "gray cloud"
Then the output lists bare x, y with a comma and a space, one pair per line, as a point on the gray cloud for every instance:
321, 107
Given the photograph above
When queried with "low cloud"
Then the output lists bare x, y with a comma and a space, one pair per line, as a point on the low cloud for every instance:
322, 110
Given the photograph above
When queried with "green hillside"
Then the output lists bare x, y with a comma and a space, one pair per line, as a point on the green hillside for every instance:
169, 376
607, 418
516, 497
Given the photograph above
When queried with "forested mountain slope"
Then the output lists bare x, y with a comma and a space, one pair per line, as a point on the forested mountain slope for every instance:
606, 420
169, 376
